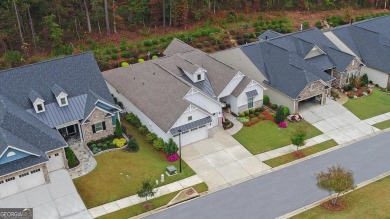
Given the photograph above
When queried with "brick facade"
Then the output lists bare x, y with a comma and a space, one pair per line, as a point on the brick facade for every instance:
341, 77
96, 117
258, 103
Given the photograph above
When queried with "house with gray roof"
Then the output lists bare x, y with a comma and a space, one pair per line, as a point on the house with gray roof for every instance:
183, 92
370, 41
43, 104
296, 67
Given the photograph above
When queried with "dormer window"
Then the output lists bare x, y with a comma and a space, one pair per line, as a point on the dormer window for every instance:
40, 108
37, 101
60, 94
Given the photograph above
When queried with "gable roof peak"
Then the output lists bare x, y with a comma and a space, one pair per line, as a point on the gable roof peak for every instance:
34, 95
57, 90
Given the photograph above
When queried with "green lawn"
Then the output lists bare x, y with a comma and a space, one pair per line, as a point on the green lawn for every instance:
108, 181
277, 161
366, 107
266, 135
157, 202
383, 125
371, 201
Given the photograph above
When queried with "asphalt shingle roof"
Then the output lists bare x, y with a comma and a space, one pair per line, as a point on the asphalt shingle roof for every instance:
177, 46
370, 40
268, 34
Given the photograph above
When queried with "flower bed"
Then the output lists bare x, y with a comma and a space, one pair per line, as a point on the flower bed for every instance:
256, 117
106, 143
358, 92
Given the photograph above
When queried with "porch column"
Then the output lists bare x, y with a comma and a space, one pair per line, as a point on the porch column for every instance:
323, 99
81, 133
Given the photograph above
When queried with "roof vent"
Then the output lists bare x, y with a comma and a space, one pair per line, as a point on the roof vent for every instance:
134, 78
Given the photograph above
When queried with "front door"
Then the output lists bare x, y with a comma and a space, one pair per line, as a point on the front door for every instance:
71, 129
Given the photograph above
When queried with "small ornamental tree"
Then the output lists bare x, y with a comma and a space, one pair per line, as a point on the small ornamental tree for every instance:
337, 180
364, 80
132, 145
118, 129
266, 100
298, 137
147, 189
279, 117
170, 147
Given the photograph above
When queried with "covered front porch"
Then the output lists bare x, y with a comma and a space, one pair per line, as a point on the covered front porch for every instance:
71, 133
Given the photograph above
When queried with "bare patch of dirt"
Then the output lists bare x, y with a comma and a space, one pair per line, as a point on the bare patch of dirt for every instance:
339, 206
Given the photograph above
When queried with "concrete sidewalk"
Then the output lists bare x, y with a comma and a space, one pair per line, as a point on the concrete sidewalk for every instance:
134, 199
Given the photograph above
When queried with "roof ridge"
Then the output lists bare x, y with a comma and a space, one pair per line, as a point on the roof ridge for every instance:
45, 61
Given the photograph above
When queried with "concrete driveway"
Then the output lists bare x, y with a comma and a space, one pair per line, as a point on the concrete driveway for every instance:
59, 199
222, 161
336, 121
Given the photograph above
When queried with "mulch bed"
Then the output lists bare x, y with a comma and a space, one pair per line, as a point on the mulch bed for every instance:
339, 206
358, 92
298, 154
267, 115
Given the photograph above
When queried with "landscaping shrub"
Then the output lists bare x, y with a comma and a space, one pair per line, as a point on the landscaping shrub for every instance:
247, 113
286, 111
255, 120
119, 142
348, 87
242, 119
118, 129
262, 117
305, 25
274, 106
143, 129
71, 157
251, 111
114, 56
318, 24
222, 47
283, 124
242, 114
125, 54
124, 64
132, 145
159, 144
364, 80
133, 119
13, 57
173, 157
150, 137
246, 123
170, 147
240, 42
206, 43
154, 57
257, 113
279, 117
251, 115
140, 60
266, 100
148, 43
199, 45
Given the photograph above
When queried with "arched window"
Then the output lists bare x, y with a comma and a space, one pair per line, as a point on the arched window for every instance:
10, 154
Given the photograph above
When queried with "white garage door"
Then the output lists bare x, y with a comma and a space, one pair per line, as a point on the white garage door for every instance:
194, 135
22, 182
55, 162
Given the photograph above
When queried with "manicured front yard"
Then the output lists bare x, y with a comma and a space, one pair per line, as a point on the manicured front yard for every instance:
371, 201
266, 135
157, 202
109, 182
277, 161
383, 125
366, 107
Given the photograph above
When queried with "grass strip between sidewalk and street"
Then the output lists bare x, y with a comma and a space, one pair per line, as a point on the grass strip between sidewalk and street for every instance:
157, 202
287, 158
382, 125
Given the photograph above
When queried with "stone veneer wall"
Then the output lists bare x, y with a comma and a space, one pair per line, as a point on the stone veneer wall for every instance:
43, 168
258, 103
317, 90
96, 117
62, 152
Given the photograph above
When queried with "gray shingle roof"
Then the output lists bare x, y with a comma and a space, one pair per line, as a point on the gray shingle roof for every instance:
21, 130
76, 74
154, 91
269, 34
57, 90
177, 46
33, 96
370, 40
191, 125
241, 86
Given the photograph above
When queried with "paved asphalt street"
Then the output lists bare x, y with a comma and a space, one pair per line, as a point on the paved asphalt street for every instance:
288, 189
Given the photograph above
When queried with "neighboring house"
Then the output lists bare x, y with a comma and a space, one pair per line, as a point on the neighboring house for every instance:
42, 103
183, 92
296, 67
370, 41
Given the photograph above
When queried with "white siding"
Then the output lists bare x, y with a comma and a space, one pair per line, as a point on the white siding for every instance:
192, 136
55, 162
129, 107
243, 99
232, 101
339, 43
280, 99
313, 53
231, 86
377, 77
204, 102
196, 114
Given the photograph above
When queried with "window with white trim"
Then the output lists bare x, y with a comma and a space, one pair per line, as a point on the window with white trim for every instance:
40, 107
10, 154
63, 101
98, 127
199, 77
250, 103
190, 118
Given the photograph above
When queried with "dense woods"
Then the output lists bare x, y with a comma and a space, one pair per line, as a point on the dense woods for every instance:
33, 26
